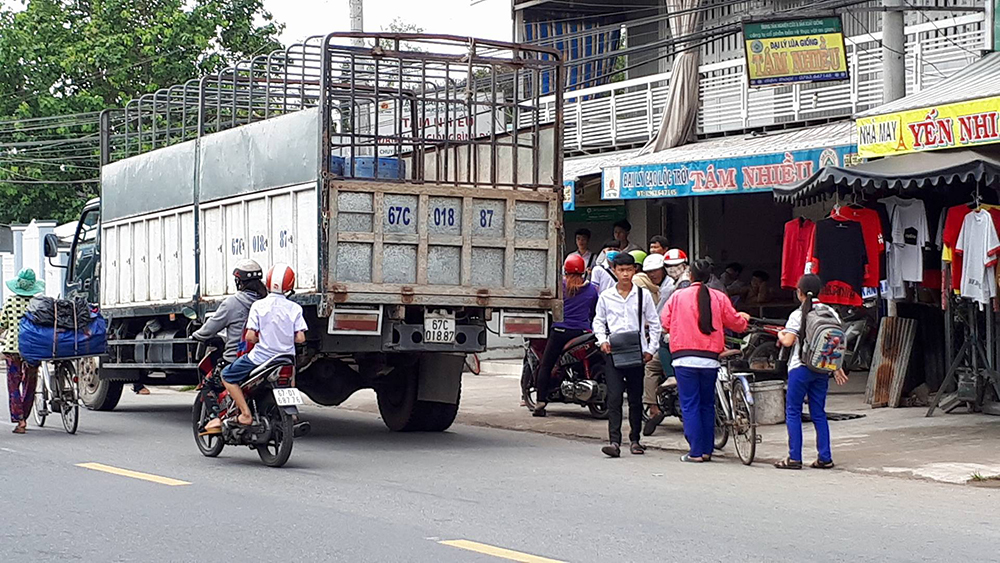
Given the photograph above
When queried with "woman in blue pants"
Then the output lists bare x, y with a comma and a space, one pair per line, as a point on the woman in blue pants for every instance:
803, 383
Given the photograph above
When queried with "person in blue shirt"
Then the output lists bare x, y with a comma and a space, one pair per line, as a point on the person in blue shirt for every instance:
579, 302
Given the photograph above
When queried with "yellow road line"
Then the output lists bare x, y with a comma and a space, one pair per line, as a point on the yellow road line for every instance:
497, 551
133, 474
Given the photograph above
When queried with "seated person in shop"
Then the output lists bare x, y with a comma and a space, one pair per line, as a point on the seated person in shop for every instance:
731, 279
759, 291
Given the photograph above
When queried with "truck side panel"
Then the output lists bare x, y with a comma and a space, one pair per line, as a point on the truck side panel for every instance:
148, 259
272, 226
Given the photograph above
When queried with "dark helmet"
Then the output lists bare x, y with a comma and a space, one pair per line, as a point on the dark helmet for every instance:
247, 271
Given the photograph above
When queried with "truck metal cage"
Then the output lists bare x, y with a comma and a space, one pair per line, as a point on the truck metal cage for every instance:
394, 107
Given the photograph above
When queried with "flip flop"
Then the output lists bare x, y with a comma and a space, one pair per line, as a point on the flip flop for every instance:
822, 464
688, 459
19, 430
788, 463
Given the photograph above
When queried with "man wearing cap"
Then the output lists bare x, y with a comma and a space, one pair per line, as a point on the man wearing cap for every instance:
21, 377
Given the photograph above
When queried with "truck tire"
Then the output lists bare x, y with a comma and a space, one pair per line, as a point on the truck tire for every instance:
397, 401
97, 394
437, 417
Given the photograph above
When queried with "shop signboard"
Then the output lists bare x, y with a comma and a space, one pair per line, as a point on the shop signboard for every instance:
596, 214
569, 195
945, 126
748, 174
788, 51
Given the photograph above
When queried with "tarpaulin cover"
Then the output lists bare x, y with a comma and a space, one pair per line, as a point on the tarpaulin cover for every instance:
898, 173
39, 343
64, 313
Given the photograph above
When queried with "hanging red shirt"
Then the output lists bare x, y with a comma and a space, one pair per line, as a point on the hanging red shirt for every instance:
949, 237
795, 250
871, 230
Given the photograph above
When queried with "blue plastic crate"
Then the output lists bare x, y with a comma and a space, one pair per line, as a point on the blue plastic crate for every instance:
389, 168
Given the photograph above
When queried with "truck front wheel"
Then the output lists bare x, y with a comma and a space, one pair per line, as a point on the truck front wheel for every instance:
97, 394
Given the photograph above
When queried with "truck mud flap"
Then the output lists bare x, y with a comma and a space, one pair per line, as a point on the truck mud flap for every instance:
440, 377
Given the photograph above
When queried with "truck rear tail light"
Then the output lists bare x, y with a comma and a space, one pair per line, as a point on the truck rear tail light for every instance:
356, 321
529, 325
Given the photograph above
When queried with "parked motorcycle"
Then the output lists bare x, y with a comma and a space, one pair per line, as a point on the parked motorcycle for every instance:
578, 377
273, 401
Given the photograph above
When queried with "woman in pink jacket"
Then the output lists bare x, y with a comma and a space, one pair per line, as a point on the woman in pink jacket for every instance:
696, 319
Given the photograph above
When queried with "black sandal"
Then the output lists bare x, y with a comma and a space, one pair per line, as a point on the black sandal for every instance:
819, 464
612, 450
539, 411
788, 463
637, 448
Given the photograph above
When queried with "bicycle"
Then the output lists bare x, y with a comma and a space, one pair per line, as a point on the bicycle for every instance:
58, 392
734, 410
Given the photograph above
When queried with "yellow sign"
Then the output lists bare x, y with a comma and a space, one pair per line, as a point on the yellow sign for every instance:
783, 52
946, 126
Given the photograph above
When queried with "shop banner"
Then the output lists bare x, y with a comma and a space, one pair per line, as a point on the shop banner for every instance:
569, 195
962, 124
748, 174
783, 52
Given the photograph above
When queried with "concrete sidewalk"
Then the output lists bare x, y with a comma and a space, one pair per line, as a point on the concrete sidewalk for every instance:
948, 447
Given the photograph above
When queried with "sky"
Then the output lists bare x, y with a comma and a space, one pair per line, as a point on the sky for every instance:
487, 19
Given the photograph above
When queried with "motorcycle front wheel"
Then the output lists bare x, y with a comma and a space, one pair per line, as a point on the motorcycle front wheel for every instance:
210, 446
279, 448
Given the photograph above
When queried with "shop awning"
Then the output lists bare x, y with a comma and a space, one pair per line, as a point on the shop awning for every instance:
900, 173
738, 164
580, 167
959, 112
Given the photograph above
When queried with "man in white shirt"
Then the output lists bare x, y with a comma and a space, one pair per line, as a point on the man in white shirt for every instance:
620, 311
274, 326
582, 239
603, 275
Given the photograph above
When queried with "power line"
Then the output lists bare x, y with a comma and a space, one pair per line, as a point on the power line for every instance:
938, 29
883, 45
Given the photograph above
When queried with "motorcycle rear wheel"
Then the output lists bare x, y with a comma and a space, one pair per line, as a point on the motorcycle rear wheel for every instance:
599, 410
279, 448
210, 446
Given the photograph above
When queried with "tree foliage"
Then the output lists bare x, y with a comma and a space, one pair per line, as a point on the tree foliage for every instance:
78, 57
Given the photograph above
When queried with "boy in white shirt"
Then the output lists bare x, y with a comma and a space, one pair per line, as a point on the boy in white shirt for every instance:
274, 326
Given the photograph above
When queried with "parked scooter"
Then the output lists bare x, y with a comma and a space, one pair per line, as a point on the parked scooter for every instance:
273, 400
577, 378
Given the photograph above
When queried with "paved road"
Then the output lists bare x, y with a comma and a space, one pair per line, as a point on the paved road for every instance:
355, 492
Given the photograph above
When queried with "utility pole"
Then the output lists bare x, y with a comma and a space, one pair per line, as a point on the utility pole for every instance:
893, 51
357, 20
893, 65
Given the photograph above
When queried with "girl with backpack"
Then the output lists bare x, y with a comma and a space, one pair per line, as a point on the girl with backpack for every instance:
816, 336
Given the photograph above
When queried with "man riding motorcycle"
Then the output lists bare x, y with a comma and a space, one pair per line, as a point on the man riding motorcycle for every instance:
231, 316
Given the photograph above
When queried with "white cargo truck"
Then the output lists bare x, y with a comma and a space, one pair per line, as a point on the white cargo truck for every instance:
407, 231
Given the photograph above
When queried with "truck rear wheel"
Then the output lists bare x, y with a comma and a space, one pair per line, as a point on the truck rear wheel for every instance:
438, 417
397, 401
97, 394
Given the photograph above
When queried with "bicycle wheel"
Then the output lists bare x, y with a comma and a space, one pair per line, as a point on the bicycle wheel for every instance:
744, 425
41, 406
69, 406
721, 424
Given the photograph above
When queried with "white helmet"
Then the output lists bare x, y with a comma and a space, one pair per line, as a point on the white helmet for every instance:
652, 263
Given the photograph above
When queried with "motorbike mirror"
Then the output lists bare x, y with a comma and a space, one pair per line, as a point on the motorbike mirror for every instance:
189, 313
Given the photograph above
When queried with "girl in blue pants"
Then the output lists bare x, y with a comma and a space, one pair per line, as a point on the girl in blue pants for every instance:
803, 382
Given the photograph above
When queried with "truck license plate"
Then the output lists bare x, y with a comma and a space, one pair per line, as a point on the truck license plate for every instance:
287, 397
439, 330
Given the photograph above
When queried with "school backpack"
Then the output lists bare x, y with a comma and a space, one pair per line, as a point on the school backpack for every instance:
824, 341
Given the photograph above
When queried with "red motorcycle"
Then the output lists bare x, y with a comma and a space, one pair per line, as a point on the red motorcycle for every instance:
270, 391
577, 378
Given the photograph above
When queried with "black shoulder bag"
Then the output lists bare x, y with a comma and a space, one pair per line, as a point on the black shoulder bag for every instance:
626, 347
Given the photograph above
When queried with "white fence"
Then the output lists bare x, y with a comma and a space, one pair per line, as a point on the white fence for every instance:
628, 112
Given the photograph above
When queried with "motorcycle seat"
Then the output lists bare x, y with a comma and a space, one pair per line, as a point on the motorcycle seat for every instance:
579, 340
273, 362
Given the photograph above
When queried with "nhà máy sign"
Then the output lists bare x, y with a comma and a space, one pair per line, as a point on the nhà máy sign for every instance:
748, 174
781, 52
961, 124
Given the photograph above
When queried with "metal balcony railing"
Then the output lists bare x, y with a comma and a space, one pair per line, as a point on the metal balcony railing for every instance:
627, 113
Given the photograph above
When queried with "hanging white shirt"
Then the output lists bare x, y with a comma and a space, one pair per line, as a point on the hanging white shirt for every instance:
618, 315
978, 244
909, 235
